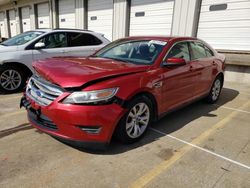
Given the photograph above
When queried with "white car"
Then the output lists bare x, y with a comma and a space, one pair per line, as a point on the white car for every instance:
18, 53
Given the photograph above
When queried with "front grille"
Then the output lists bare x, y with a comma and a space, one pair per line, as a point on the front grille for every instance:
41, 91
41, 120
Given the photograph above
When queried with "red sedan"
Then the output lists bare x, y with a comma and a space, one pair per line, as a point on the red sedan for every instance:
121, 89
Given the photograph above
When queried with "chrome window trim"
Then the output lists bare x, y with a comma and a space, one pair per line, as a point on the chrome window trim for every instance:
190, 40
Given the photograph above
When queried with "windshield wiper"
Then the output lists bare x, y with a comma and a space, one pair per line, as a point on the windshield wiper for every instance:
117, 59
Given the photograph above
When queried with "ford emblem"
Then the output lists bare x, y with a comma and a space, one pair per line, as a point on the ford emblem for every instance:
39, 93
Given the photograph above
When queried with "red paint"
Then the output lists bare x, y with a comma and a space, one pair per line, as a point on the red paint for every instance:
74, 72
176, 61
180, 85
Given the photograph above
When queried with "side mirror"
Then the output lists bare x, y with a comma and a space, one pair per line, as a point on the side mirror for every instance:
39, 45
174, 61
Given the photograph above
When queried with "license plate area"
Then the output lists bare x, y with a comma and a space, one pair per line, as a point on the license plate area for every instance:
41, 120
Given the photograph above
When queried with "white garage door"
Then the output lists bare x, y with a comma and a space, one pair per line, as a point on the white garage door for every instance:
225, 24
12, 23
43, 20
151, 17
2, 26
100, 17
66, 10
25, 15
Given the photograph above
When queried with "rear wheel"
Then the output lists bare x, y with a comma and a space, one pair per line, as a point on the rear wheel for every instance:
135, 122
12, 79
215, 90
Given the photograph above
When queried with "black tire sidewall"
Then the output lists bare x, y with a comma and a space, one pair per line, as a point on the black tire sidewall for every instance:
22, 74
121, 133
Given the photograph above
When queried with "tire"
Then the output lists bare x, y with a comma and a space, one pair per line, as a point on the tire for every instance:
215, 91
132, 125
12, 79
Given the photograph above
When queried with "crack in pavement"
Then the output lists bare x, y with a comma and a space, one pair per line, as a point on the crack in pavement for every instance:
22, 127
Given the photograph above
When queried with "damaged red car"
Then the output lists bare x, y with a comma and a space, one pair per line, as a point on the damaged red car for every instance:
121, 89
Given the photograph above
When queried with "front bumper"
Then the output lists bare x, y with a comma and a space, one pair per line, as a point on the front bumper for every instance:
75, 123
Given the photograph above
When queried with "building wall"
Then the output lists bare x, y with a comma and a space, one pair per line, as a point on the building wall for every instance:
184, 21
80, 11
80, 14
19, 4
185, 15
120, 19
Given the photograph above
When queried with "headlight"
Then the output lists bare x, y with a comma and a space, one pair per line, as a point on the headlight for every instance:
85, 97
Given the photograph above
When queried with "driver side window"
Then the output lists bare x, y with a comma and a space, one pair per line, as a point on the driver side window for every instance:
180, 50
54, 40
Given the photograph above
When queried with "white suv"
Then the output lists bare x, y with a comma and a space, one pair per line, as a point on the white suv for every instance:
18, 53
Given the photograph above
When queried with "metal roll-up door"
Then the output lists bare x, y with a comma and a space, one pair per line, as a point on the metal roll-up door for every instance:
66, 10
12, 23
151, 17
100, 17
25, 19
225, 24
43, 19
2, 26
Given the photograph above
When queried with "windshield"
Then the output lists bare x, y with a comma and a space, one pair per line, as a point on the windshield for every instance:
22, 38
137, 52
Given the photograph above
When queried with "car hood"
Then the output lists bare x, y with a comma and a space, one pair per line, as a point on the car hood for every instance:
70, 72
8, 48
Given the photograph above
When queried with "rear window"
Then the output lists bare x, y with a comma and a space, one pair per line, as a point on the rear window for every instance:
83, 39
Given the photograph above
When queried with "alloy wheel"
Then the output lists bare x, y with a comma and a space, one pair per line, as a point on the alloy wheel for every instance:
137, 120
216, 89
10, 79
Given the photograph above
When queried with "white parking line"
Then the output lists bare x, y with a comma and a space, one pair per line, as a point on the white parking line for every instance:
202, 149
229, 108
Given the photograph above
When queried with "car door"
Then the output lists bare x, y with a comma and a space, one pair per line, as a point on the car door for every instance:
201, 64
55, 44
82, 44
178, 81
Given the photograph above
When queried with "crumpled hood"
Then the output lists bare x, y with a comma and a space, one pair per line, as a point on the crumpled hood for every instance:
8, 48
70, 72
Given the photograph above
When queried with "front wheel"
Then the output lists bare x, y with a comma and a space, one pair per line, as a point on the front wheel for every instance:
135, 122
12, 79
215, 91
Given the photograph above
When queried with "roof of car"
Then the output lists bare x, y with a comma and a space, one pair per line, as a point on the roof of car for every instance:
68, 29
162, 38
43, 30
61, 29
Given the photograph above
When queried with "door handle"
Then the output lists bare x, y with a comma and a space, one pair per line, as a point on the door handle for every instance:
191, 68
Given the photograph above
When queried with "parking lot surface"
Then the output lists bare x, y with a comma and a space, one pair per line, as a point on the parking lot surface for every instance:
201, 145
